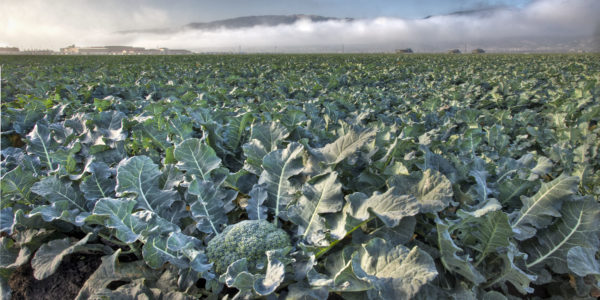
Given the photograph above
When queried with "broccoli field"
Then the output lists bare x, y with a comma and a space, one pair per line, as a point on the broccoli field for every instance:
365, 176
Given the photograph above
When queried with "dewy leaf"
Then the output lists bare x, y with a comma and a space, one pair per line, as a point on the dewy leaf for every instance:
577, 227
340, 274
16, 185
538, 210
433, 190
450, 258
109, 125
112, 270
196, 158
55, 191
156, 253
118, 213
273, 277
279, 166
178, 249
235, 128
263, 139
255, 209
47, 259
324, 196
512, 273
98, 185
8, 252
389, 207
395, 272
7, 218
480, 174
492, 232
42, 145
582, 261
139, 175
346, 145
237, 276
208, 210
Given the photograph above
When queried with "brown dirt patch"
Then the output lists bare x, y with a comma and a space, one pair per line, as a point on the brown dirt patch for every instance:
74, 270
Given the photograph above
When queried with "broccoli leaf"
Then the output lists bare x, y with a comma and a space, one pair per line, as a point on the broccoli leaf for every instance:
537, 211
395, 272
582, 261
325, 196
346, 145
139, 175
577, 227
98, 185
279, 166
390, 207
196, 158
450, 258
208, 210
432, 189
263, 139
256, 210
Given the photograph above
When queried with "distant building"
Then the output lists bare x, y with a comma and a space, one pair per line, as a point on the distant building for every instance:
119, 50
478, 51
9, 50
407, 50
178, 52
38, 52
454, 51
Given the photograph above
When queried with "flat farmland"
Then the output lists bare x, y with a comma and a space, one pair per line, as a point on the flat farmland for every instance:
372, 176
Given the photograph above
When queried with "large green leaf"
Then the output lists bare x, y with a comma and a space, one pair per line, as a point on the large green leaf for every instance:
235, 129
255, 208
111, 270
432, 189
486, 233
395, 272
274, 276
56, 191
208, 210
390, 207
42, 145
263, 139
176, 248
512, 271
139, 175
577, 227
118, 217
98, 184
108, 128
279, 166
339, 274
537, 211
324, 196
346, 145
139, 289
48, 257
582, 261
16, 185
196, 158
451, 260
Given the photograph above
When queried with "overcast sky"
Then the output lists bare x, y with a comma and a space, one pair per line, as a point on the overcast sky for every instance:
381, 25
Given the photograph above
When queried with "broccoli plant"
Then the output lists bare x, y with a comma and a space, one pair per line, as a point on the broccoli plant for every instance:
249, 239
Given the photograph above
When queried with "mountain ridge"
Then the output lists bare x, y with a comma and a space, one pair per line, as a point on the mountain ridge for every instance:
240, 22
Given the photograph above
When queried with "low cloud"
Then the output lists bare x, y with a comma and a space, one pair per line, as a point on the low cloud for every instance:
543, 25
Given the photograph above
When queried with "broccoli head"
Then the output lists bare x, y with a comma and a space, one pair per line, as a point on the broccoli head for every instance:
248, 239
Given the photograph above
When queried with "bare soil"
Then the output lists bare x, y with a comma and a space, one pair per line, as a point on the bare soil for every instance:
64, 284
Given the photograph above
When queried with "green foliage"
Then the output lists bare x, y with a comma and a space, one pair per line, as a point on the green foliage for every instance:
303, 176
